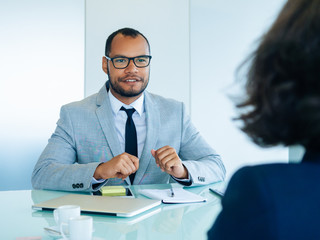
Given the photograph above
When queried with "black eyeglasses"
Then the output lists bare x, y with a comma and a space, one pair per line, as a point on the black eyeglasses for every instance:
123, 62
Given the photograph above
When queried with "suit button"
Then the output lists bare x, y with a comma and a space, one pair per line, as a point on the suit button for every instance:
81, 185
73, 185
77, 185
201, 179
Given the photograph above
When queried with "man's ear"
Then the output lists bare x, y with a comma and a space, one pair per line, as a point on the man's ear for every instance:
105, 65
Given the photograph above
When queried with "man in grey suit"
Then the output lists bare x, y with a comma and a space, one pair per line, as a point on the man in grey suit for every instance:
87, 149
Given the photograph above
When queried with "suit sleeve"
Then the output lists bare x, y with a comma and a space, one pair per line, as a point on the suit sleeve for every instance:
201, 160
57, 167
245, 209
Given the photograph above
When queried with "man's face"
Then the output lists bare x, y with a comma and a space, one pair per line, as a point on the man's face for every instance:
127, 84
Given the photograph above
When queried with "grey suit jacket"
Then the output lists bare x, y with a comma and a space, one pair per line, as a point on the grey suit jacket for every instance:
85, 137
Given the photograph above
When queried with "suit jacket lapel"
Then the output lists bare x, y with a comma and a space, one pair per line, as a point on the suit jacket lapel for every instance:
153, 131
104, 114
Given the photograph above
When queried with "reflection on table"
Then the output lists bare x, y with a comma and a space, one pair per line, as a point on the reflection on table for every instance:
170, 221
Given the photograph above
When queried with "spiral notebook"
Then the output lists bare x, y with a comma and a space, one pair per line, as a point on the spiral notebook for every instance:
180, 195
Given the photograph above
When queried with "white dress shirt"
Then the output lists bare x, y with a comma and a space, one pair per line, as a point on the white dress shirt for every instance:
120, 119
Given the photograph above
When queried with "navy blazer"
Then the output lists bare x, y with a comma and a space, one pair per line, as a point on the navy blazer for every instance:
273, 201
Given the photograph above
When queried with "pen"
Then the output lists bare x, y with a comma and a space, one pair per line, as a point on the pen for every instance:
172, 192
217, 192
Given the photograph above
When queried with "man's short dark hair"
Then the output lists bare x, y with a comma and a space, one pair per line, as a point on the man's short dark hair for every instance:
283, 86
125, 32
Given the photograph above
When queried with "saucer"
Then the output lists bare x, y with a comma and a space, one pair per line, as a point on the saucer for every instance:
93, 238
52, 233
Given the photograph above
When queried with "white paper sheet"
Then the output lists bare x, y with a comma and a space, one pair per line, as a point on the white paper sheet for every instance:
180, 195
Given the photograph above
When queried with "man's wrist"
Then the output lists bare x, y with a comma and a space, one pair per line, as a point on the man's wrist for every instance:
185, 174
186, 182
97, 174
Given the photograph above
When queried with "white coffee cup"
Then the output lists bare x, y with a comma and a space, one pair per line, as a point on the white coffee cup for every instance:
63, 213
80, 228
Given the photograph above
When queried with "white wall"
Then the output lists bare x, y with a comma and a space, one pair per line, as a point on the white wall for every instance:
41, 61
223, 34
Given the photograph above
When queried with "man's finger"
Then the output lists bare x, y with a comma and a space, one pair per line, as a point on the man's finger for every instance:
166, 159
168, 165
153, 152
135, 161
125, 169
166, 151
160, 150
129, 167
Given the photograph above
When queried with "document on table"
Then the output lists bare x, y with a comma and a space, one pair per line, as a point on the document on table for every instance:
180, 195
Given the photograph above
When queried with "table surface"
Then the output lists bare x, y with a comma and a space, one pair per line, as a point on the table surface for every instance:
170, 221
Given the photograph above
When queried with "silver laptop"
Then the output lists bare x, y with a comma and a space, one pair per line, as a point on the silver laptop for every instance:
115, 206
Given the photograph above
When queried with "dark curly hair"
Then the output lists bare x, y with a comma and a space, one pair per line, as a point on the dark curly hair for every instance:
283, 81
125, 32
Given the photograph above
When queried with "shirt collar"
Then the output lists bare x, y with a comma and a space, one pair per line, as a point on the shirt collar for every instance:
138, 104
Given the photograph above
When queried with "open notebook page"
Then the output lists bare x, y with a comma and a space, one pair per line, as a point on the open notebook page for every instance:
180, 195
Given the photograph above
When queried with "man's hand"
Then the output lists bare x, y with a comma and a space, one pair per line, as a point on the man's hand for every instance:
168, 160
120, 166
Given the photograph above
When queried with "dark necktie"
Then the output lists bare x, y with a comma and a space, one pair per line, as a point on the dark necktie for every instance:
131, 145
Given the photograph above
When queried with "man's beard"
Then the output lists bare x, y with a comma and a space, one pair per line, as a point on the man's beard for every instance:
126, 93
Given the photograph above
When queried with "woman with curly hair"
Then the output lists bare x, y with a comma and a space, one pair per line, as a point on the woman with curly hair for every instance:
280, 201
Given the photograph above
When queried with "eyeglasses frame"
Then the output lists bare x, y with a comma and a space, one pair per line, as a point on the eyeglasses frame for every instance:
111, 59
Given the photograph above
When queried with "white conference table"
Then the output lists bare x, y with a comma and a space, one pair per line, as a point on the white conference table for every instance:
169, 221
